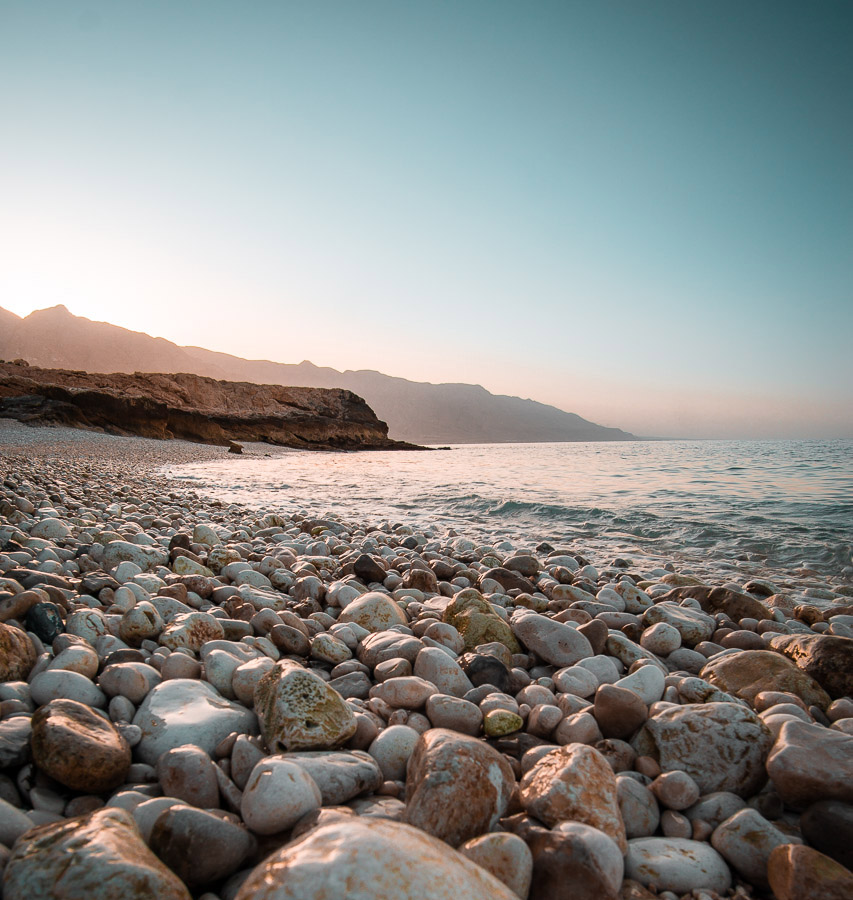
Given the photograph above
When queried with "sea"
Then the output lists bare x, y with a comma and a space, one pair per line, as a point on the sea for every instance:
749, 508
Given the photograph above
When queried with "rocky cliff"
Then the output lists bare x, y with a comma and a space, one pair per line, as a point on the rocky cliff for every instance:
415, 411
192, 407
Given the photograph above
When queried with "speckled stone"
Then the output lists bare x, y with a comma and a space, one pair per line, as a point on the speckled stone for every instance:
677, 865
722, 746
79, 748
574, 783
457, 787
300, 711
110, 861
17, 653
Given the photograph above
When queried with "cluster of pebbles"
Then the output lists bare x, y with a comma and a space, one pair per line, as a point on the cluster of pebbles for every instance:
201, 700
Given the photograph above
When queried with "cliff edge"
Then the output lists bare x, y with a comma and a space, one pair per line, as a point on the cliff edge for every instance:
193, 408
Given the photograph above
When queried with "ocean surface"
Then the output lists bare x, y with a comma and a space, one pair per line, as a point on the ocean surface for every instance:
756, 507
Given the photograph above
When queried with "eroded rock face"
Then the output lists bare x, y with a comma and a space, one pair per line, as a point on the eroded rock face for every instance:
110, 860
372, 858
79, 748
722, 746
457, 787
193, 408
300, 711
574, 784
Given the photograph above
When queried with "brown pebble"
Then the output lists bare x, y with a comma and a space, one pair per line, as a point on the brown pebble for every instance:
618, 711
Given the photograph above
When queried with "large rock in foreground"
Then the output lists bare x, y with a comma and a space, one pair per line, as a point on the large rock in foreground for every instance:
183, 711
722, 746
362, 859
96, 857
457, 787
574, 784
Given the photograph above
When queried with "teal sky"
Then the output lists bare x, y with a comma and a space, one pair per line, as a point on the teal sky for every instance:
639, 212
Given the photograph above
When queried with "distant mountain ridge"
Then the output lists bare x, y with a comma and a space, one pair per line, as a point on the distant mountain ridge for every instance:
418, 412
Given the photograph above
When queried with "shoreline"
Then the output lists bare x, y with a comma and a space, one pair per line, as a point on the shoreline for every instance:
140, 597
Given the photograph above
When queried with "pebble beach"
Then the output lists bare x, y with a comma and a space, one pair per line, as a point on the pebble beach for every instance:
210, 700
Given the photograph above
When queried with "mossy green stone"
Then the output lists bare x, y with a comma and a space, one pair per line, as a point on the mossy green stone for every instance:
500, 722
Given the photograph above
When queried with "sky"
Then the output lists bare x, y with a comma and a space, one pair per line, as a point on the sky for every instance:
638, 212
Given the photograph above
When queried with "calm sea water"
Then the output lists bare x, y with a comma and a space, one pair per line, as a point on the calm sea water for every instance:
757, 506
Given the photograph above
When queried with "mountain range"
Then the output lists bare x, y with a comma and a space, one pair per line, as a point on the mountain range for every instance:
418, 412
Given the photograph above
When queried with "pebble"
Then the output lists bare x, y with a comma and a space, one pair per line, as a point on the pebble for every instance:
746, 841
722, 746
809, 763
198, 846
417, 702
574, 783
677, 865
277, 794
797, 872
506, 856
181, 711
188, 773
457, 787
392, 748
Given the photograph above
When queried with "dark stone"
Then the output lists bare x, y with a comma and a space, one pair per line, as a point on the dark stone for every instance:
421, 580
199, 846
483, 669
596, 632
562, 870
45, 622
28, 578
828, 826
94, 582
180, 540
444, 571
368, 569
508, 580
125, 655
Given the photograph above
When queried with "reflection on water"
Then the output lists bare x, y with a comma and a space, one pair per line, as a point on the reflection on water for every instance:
778, 502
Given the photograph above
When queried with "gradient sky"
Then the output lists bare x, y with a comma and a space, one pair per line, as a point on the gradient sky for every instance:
639, 212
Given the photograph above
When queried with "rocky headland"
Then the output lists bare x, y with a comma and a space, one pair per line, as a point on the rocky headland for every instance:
212, 701
192, 408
